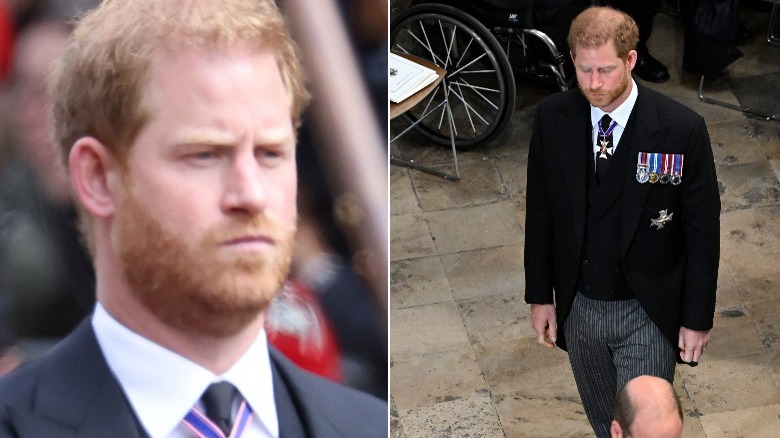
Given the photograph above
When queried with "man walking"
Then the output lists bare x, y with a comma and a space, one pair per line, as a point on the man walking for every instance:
622, 221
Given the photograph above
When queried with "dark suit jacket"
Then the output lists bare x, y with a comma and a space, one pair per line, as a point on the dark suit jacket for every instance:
672, 271
72, 393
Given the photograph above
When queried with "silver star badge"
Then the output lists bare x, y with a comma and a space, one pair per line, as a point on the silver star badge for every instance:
661, 220
606, 151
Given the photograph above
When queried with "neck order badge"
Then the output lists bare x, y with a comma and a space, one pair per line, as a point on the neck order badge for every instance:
606, 126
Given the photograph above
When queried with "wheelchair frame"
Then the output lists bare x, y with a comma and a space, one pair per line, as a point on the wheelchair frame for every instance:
474, 40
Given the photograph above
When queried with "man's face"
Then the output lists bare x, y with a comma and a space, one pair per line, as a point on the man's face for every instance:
602, 76
206, 218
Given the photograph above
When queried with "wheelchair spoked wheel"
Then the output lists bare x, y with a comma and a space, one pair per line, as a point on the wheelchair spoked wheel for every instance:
479, 78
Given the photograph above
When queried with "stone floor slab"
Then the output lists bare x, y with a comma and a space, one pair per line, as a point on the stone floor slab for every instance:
465, 229
758, 422
495, 318
434, 328
767, 320
514, 172
732, 384
533, 417
479, 184
527, 368
748, 185
410, 237
747, 234
692, 427
727, 295
734, 143
403, 199
417, 282
435, 378
475, 417
734, 335
485, 272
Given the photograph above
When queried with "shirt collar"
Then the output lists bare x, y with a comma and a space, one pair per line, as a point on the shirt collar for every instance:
164, 386
619, 114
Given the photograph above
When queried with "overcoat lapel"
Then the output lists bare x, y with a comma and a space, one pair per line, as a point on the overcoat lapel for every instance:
77, 396
575, 125
645, 137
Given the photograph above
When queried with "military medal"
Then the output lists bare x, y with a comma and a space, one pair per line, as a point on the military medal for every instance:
678, 165
665, 172
604, 142
641, 168
653, 177
663, 218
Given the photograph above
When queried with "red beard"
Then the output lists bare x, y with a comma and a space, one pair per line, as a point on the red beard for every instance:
606, 99
196, 287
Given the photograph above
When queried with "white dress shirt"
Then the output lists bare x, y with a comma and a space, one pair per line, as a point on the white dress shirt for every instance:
619, 115
163, 386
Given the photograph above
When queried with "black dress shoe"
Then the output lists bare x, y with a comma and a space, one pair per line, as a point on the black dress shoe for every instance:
650, 69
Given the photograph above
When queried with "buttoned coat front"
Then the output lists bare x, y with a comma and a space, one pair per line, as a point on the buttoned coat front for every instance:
673, 270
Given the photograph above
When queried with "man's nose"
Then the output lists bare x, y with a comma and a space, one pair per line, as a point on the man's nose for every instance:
595, 80
245, 186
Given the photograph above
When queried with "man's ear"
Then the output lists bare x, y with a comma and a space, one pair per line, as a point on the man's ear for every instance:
615, 430
631, 59
93, 173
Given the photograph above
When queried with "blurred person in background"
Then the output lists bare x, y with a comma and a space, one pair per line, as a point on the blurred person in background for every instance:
326, 319
323, 271
14, 16
46, 277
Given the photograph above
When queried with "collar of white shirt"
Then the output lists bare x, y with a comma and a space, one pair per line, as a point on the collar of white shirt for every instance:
163, 386
619, 114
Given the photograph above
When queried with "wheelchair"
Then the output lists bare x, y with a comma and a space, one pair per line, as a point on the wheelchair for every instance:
485, 45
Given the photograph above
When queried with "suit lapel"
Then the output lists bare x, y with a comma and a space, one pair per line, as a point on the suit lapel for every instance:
644, 134
305, 400
77, 396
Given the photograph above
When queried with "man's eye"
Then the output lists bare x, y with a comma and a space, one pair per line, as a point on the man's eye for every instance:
268, 154
271, 154
204, 155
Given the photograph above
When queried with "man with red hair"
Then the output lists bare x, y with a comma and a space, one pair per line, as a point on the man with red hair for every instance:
622, 234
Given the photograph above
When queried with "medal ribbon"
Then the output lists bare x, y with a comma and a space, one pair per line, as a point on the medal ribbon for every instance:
654, 163
609, 129
678, 164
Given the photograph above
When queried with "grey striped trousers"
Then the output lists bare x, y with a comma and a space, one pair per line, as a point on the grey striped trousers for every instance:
609, 343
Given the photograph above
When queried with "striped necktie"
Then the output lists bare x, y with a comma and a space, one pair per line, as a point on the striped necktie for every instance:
217, 421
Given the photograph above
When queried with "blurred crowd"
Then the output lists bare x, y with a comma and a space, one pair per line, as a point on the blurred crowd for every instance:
325, 318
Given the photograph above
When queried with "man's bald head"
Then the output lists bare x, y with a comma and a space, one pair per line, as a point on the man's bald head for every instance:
647, 406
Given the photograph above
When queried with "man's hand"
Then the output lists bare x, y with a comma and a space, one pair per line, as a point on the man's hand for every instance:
543, 323
692, 344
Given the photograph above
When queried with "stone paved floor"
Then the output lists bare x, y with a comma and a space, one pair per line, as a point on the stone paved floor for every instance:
464, 360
